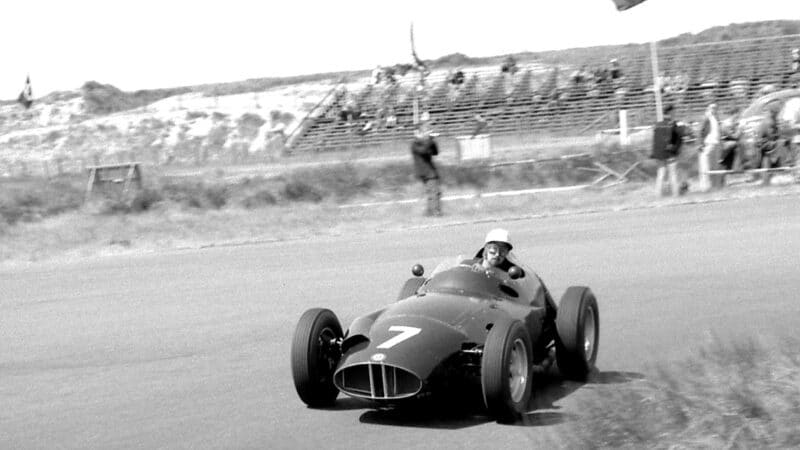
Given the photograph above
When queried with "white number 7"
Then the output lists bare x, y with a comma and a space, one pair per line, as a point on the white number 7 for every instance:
405, 333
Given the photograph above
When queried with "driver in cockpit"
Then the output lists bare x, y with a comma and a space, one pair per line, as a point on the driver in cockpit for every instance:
494, 254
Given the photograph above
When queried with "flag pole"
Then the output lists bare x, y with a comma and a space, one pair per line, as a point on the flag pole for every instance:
415, 111
656, 84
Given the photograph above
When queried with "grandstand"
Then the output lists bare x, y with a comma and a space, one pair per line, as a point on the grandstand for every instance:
540, 99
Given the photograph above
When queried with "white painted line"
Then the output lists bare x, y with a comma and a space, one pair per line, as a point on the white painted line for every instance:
535, 191
536, 161
391, 202
772, 169
473, 196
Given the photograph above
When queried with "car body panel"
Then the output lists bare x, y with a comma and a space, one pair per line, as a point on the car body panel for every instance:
427, 334
415, 343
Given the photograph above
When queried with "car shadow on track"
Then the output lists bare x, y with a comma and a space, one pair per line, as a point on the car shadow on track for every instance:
425, 417
347, 404
612, 377
549, 388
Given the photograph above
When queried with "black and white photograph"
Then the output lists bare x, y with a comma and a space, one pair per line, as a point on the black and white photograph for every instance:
567, 224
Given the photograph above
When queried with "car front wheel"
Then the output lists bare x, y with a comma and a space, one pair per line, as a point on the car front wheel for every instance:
506, 370
315, 355
578, 325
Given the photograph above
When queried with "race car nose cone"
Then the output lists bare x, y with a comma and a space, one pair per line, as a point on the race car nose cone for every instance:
377, 381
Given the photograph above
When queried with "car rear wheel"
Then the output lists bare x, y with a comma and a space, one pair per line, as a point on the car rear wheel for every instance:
315, 355
410, 287
578, 325
506, 370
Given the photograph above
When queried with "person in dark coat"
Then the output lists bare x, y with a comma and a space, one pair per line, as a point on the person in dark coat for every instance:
770, 144
667, 141
423, 149
768, 139
730, 136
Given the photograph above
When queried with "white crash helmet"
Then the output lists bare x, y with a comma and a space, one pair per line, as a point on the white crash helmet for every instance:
498, 235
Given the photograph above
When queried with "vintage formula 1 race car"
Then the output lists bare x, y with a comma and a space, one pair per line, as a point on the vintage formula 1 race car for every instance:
462, 326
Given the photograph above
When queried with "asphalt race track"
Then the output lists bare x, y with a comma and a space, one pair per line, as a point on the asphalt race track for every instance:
191, 348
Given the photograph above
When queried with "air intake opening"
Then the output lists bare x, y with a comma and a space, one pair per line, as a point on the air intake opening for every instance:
377, 381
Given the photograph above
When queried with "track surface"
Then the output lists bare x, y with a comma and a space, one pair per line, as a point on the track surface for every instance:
191, 348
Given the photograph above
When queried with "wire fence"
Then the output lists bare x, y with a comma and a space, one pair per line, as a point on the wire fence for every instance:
505, 148
46, 168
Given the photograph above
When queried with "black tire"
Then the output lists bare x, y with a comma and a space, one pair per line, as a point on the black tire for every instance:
577, 314
505, 343
410, 287
314, 359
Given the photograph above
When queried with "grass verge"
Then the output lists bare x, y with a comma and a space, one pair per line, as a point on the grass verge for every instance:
44, 219
93, 231
33, 199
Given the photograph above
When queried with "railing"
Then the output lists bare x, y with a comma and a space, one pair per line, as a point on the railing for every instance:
301, 127
569, 115
523, 116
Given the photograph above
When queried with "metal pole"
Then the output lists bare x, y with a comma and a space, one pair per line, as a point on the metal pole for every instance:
623, 127
656, 84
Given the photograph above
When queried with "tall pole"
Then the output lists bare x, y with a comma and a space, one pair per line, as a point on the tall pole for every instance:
416, 91
656, 84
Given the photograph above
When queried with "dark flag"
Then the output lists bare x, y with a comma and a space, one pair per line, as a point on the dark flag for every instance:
622, 5
26, 96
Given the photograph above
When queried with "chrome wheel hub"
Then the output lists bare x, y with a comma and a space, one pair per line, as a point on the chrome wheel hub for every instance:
589, 334
518, 370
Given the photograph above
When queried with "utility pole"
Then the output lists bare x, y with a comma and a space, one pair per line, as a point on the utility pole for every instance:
656, 84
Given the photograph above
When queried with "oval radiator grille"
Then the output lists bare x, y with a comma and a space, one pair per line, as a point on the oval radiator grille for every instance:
377, 381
